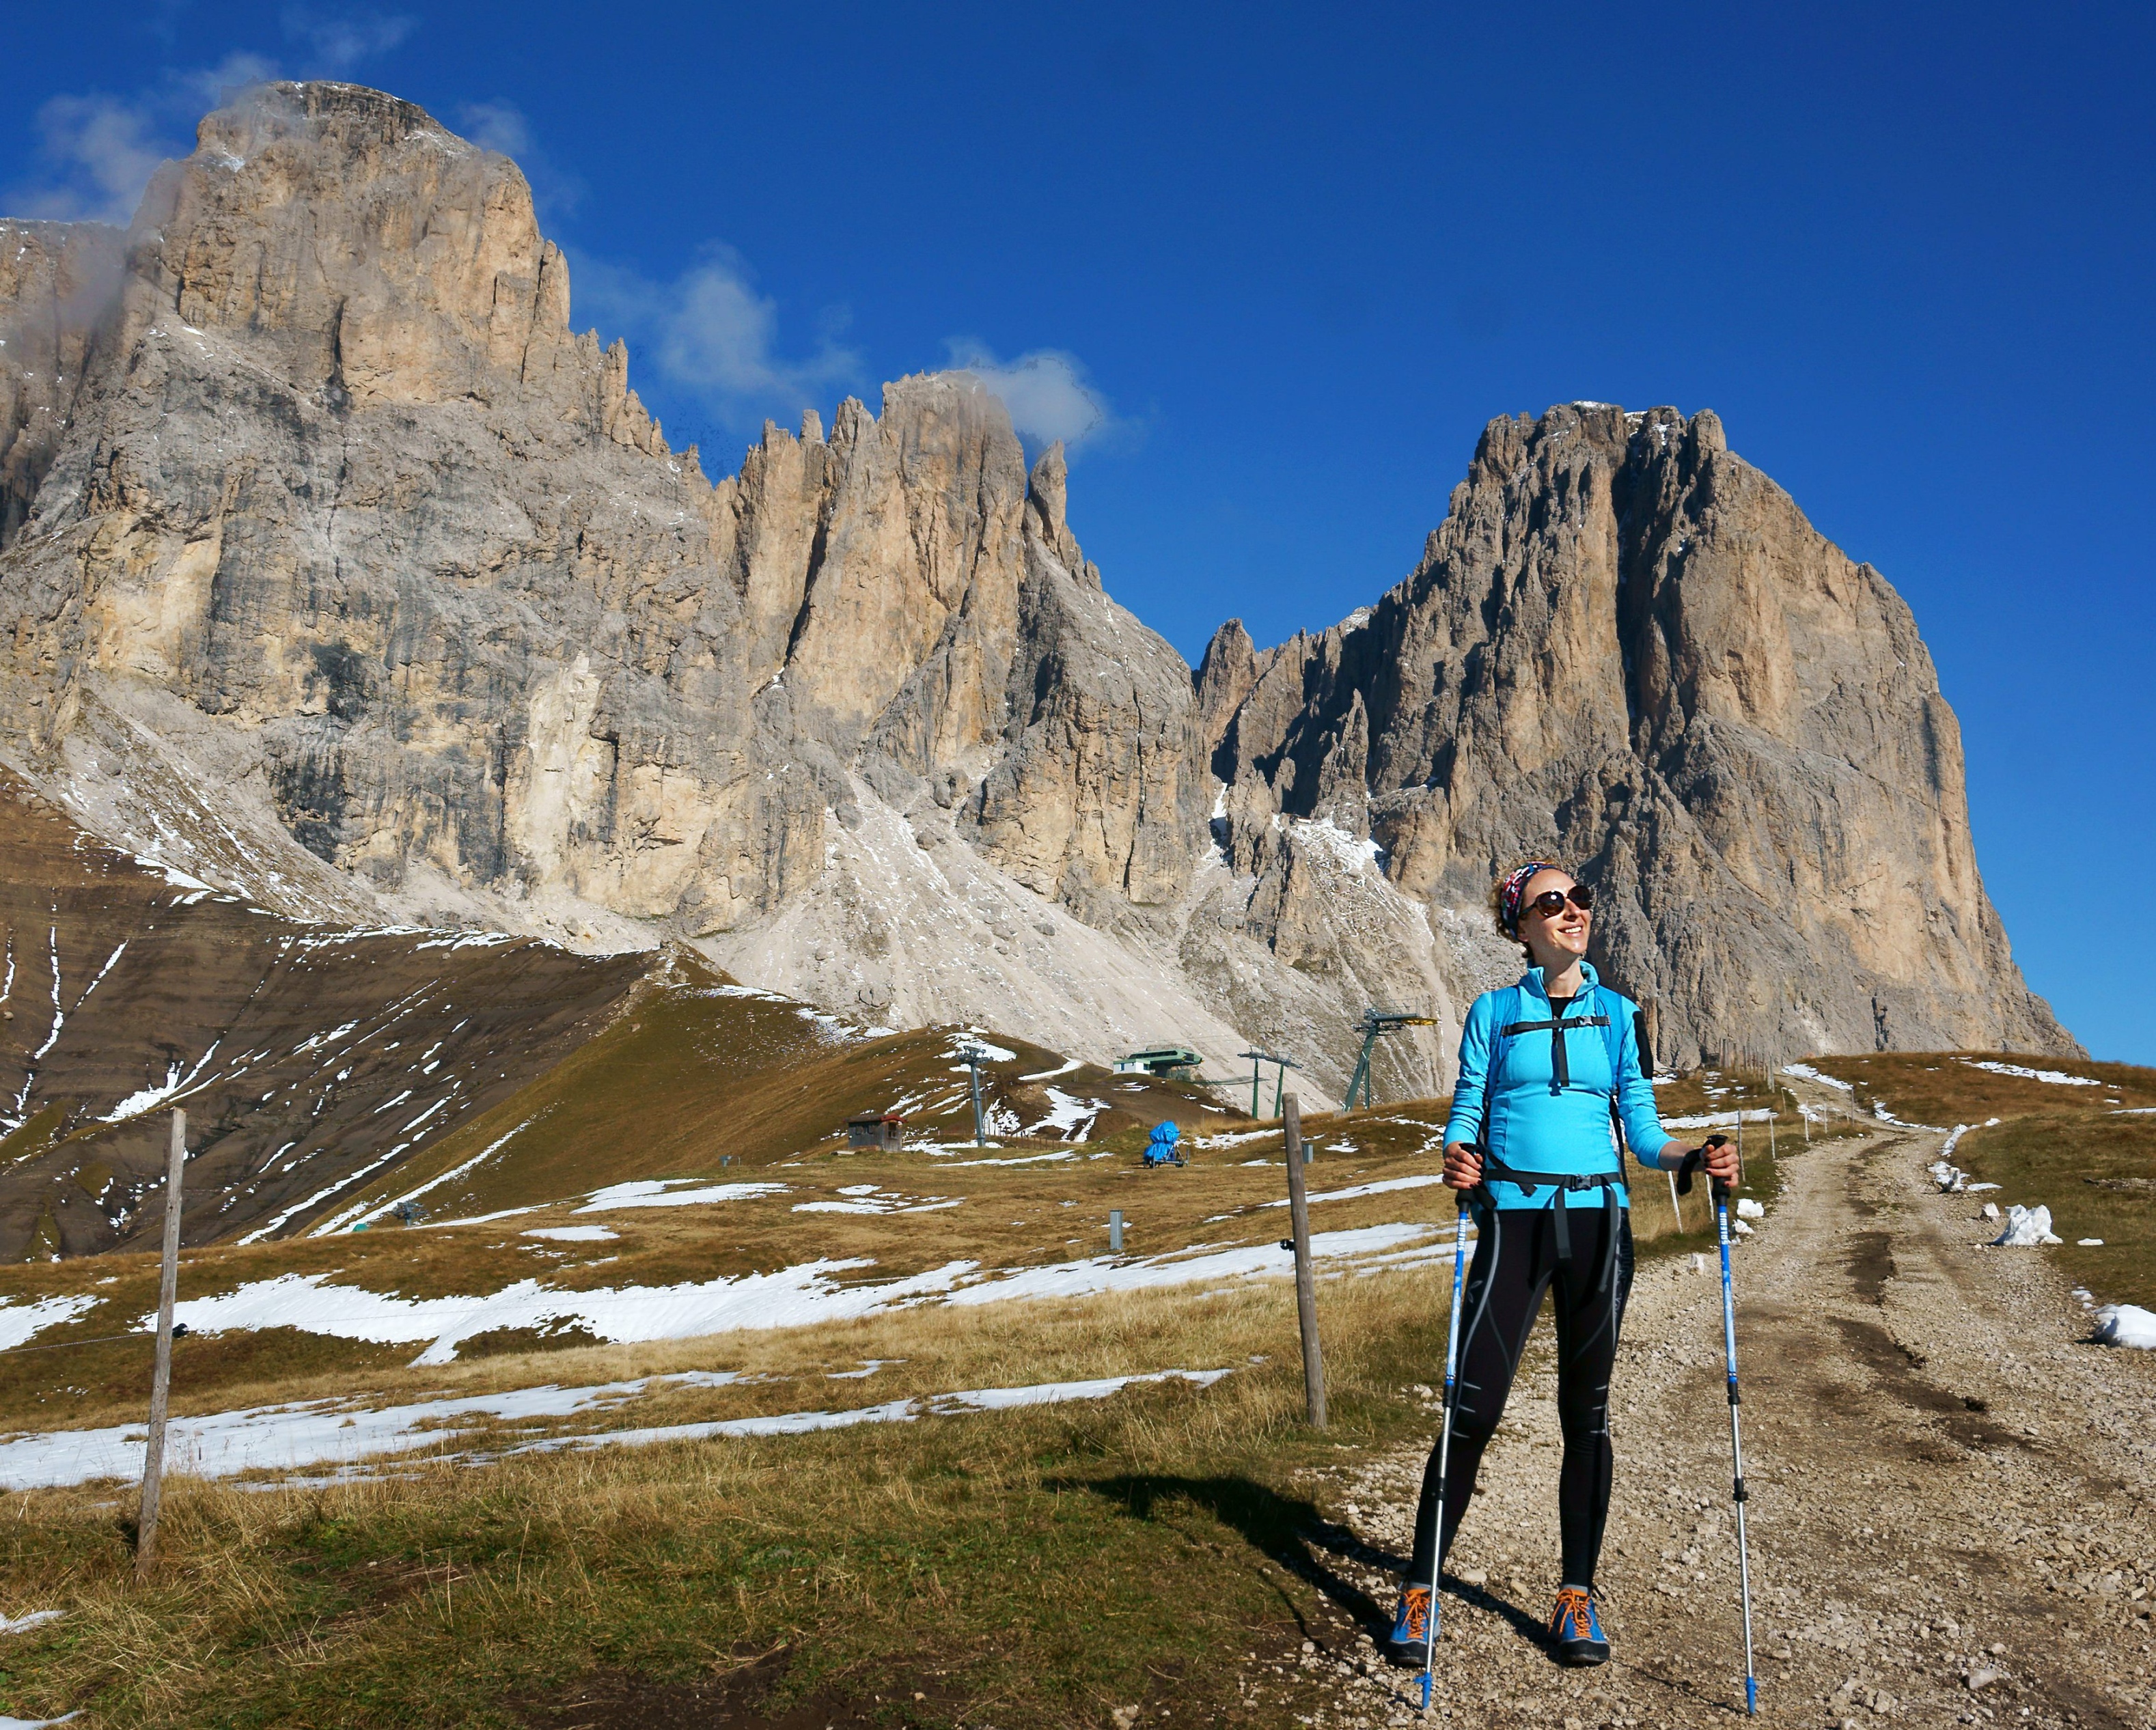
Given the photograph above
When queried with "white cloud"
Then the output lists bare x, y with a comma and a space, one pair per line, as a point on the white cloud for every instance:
98, 152
709, 332
501, 127
498, 126
190, 94
1045, 392
338, 42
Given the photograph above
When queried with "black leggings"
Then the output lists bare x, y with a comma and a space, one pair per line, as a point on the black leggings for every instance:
1516, 1260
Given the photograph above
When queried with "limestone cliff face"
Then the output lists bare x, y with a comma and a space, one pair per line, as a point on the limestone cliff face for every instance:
341, 477
1625, 648
56, 281
338, 570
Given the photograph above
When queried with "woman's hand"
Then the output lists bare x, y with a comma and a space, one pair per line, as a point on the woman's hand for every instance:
1463, 1165
1715, 1153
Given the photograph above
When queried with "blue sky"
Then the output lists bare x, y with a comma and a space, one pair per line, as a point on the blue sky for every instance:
1275, 266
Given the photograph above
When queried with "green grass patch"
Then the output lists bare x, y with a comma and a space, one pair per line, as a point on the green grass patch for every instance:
1944, 1088
2098, 1182
1036, 1567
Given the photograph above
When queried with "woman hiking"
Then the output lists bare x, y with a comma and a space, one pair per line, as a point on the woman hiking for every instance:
1546, 1068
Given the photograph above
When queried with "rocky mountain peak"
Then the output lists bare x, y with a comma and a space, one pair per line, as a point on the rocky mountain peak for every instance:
375, 252
1626, 648
336, 563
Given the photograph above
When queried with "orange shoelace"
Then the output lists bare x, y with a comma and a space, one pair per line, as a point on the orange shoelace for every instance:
1418, 1608
1574, 1619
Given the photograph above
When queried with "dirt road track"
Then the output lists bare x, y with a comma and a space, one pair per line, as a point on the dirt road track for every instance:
1954, 1498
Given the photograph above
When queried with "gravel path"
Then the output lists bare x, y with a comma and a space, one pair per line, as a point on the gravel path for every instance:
1951, 1513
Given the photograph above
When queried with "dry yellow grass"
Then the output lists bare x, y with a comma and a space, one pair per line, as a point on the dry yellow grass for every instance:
1041, 1563
1008, 1217
1038, 1565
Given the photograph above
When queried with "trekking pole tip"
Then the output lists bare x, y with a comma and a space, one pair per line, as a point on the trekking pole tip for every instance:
1751, 1697
1426, 1690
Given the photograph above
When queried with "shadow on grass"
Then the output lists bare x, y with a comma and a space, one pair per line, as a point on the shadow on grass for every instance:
1292, 1532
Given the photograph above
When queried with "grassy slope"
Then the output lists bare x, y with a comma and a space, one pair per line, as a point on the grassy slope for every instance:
698, 1072
2085, 1153
1008, 1216
304, 1054
1036, 1567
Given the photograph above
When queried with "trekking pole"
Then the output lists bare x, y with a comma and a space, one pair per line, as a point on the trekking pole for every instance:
1692, 1161
1736, 1441
1444, 1448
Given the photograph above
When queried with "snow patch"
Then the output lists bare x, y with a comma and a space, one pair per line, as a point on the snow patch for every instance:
280, 1437
894, 1411
454, 1172
173, 875
788, 1298
792, 1296
2057, 1078
2126, 1324
1386, 1187
1102, 1273
324, 1432
148, 1099
2026, 1228
988, 1053
19, 1323
1069, 1117
867, 1198
660, 1193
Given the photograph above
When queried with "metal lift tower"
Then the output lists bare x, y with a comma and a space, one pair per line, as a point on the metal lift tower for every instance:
1258, 1060
973, 1056
1377, 1023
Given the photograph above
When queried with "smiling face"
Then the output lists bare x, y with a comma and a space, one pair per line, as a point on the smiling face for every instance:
1557, 939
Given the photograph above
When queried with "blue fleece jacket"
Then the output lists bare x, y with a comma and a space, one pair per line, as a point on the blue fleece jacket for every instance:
1536, 1122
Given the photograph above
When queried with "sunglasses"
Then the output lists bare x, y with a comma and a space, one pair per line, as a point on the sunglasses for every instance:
1551, 902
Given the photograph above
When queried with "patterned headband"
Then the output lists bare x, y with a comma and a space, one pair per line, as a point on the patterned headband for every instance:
1515, 885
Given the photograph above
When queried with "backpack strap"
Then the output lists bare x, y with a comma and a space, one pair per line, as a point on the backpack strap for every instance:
1490, 1072
1613, 1040
1557, 1028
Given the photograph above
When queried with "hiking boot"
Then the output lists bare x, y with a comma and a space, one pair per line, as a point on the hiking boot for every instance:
1409, 1643
1575, 1634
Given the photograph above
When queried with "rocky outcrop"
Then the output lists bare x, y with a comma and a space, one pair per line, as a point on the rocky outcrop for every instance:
343, 477
340, 571
1626, 648
360, 584
57, 284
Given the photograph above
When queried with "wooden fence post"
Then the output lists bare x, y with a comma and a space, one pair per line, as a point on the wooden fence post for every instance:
161, 1381
1306, 1289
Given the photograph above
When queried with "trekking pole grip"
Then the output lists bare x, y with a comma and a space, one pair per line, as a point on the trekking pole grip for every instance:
1695, 1160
